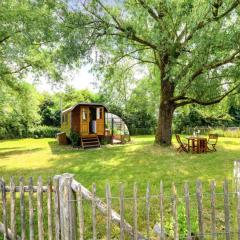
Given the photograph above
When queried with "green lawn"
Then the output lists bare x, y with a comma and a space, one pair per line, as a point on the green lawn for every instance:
139, 161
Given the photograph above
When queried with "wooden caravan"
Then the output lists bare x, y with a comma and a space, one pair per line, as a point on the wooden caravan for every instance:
86, 119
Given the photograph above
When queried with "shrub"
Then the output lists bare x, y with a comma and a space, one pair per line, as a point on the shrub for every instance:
234, 133
142, 131
74, 138
182, 223
43, 131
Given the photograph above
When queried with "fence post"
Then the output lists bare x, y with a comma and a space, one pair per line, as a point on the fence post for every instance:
236, 175
56, 207
67, 207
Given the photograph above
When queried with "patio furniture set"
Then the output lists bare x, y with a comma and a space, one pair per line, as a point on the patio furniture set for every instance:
197, 144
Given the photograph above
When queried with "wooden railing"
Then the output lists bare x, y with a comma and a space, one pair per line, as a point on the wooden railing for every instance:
65, 209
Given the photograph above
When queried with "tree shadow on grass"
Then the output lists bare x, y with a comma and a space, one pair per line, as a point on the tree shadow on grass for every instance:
138, 162
6, 154
142, 163
9, 148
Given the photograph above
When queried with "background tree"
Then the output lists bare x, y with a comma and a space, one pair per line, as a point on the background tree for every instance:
192, 45
19, 111
30, 37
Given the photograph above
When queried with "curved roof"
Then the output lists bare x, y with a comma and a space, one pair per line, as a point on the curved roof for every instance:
84, 104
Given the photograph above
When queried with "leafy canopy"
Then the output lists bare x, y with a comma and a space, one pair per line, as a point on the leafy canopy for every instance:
194, 45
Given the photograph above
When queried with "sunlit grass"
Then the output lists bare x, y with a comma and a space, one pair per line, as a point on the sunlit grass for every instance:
140, 161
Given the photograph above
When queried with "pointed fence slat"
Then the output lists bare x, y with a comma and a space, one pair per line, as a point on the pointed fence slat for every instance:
148, 210
135, 214
56, 207
40, 209
109, 210
80, 213
200, 209
4, 210
67, 208
101, 206
187, 208
13, 208
161, 206
31, 212
22, 209
94, 230
213, 210
174, 212
106, 210
226, 210
121, 212
49, 207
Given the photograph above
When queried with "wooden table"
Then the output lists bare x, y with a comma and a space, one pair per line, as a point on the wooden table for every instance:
197, 144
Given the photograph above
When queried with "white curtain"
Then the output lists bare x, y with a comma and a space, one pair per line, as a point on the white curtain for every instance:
98, 113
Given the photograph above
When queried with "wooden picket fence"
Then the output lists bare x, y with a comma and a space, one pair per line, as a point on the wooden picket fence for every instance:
65, 209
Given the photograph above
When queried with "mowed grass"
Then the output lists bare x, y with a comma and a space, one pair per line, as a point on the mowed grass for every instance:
140, 161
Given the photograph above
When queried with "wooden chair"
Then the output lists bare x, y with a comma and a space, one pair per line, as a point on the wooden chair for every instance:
182, 146
212, 142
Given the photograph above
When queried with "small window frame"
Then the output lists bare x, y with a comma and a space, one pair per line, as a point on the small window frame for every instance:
99, 113
84, 115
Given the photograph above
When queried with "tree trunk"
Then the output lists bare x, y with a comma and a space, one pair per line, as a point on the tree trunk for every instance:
164, 128
166, 110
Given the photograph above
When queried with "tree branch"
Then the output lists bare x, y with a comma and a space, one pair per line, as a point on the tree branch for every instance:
150, 10
218, 99
4, 39
18, 70
128, 54
120, 28
202, 24
210, 66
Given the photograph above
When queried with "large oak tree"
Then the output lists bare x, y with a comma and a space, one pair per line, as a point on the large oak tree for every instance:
194, 45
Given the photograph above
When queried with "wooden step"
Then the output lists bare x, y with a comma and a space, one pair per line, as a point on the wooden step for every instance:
90, 142
90, 139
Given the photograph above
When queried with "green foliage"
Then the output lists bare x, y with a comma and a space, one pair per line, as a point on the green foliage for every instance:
29, 32
214, 116
18, 110
50, 112
72, 96
182, 223
232, 133
43, 132
74, 138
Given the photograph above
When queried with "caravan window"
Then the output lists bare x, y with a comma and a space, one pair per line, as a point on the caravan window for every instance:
84, 114
99, 113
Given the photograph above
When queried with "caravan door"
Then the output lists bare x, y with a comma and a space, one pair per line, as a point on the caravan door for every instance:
84, 120
100, 120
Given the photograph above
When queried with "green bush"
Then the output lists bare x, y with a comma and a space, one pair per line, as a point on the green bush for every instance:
182, 223
142, 131
234, 133
43, 132
74, 138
